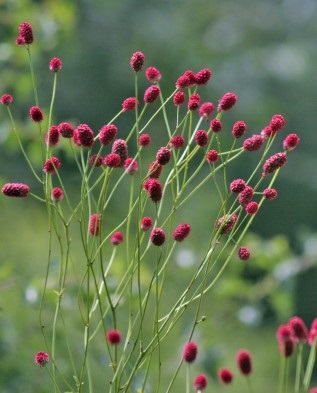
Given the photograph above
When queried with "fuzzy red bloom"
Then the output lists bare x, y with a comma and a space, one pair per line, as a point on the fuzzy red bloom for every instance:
51, 165
181, 232
237, 186
131, 166
212, 156
200, 382
41, 358
16, 190
216, 125
226, 223
312, 337
154, 189
244, 362
203, 76
158, 237
137, 61
19, 41
144, 140
206, 109
36, 114
227, 101
299, 329
153, 74
313, 390
26, 33
94, 224
254, 143
273, 163
55, 64
179, 98
193, 102
96, 160
163, 155
190, 351
186, 80
113, 336
155, 170
238, 129
120, 147
146, 223
277, 123
244, 253
129, 104
286, 347
290, 142
151, 94
246, 195
52, 136
270, 193
201, 138
177, 141
116, 238
225, 375
251, 208
267, 132
66, 130
107, 134
57, 194
84, 135
112, 160
283, 332
6, 99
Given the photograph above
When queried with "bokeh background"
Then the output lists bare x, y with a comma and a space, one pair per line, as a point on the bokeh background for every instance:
266, 52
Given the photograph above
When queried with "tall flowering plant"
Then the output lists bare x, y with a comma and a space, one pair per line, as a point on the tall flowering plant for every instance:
119, 270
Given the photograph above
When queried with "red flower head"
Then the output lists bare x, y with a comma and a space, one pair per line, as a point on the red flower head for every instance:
163, 155
186, 80
312, 337
251, 208
55, 64
120, 147
26, 33
238, 129
94, 224
227, 102
190, 350
112, 160
254, 143
225, 375
154, 189
52, 136
277, 123
226, 223
244, 253
193, 102
66, 130
84, 135
157, 236
206, 109
41, 358
36, 114
203, 76
96, 160
201, 138
113, 337
237, 186
16, 190
286, 347
117, 238
273, 163
270, 193
290, 142
131, 166
212, 156
177, 141
284, 332
216, 125
19, 41
6, 99
313, 390
57, 194
267, 132
246, 195
200, 382
181, 232
155, 170
146, 223
129, 104
107, 134
137, 61
51, 165
244, 362
153, 74
144, 140
179, 98
151, 94
298, 329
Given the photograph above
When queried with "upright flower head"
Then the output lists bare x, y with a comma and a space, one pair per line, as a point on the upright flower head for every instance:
238, 129
144, 140
244, 362
237, 186
120, 147
254, 143
193, 102
6, 99
117, 238
146, 223
225, 375
244, 253
227, 101
155, 170
131, 166
94, 224
179, 98
206, 109
57, 194
181, 232
55, 64
129, 104
154, 189
163, 155
158, 236
41, 358
107, 134
66, 130
153, 74
16, 190
270, 193
84, 135
290, 142
96, 160
216, 125
151, 94
113, 336
277, 123
51, 165
36, 114
201, 138
190, 351
203, 76
212, 156
177, 141
186, 80
246, 195
200, 382
26, 33
137, 61
273, 163
226, 223
52, 136
298, 329
251, 208
112, 160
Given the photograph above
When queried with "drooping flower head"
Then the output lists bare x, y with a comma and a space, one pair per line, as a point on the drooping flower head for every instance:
254, 143
16, 190
273, 163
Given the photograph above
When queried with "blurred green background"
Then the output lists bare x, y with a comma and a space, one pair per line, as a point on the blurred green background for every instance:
266, 52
